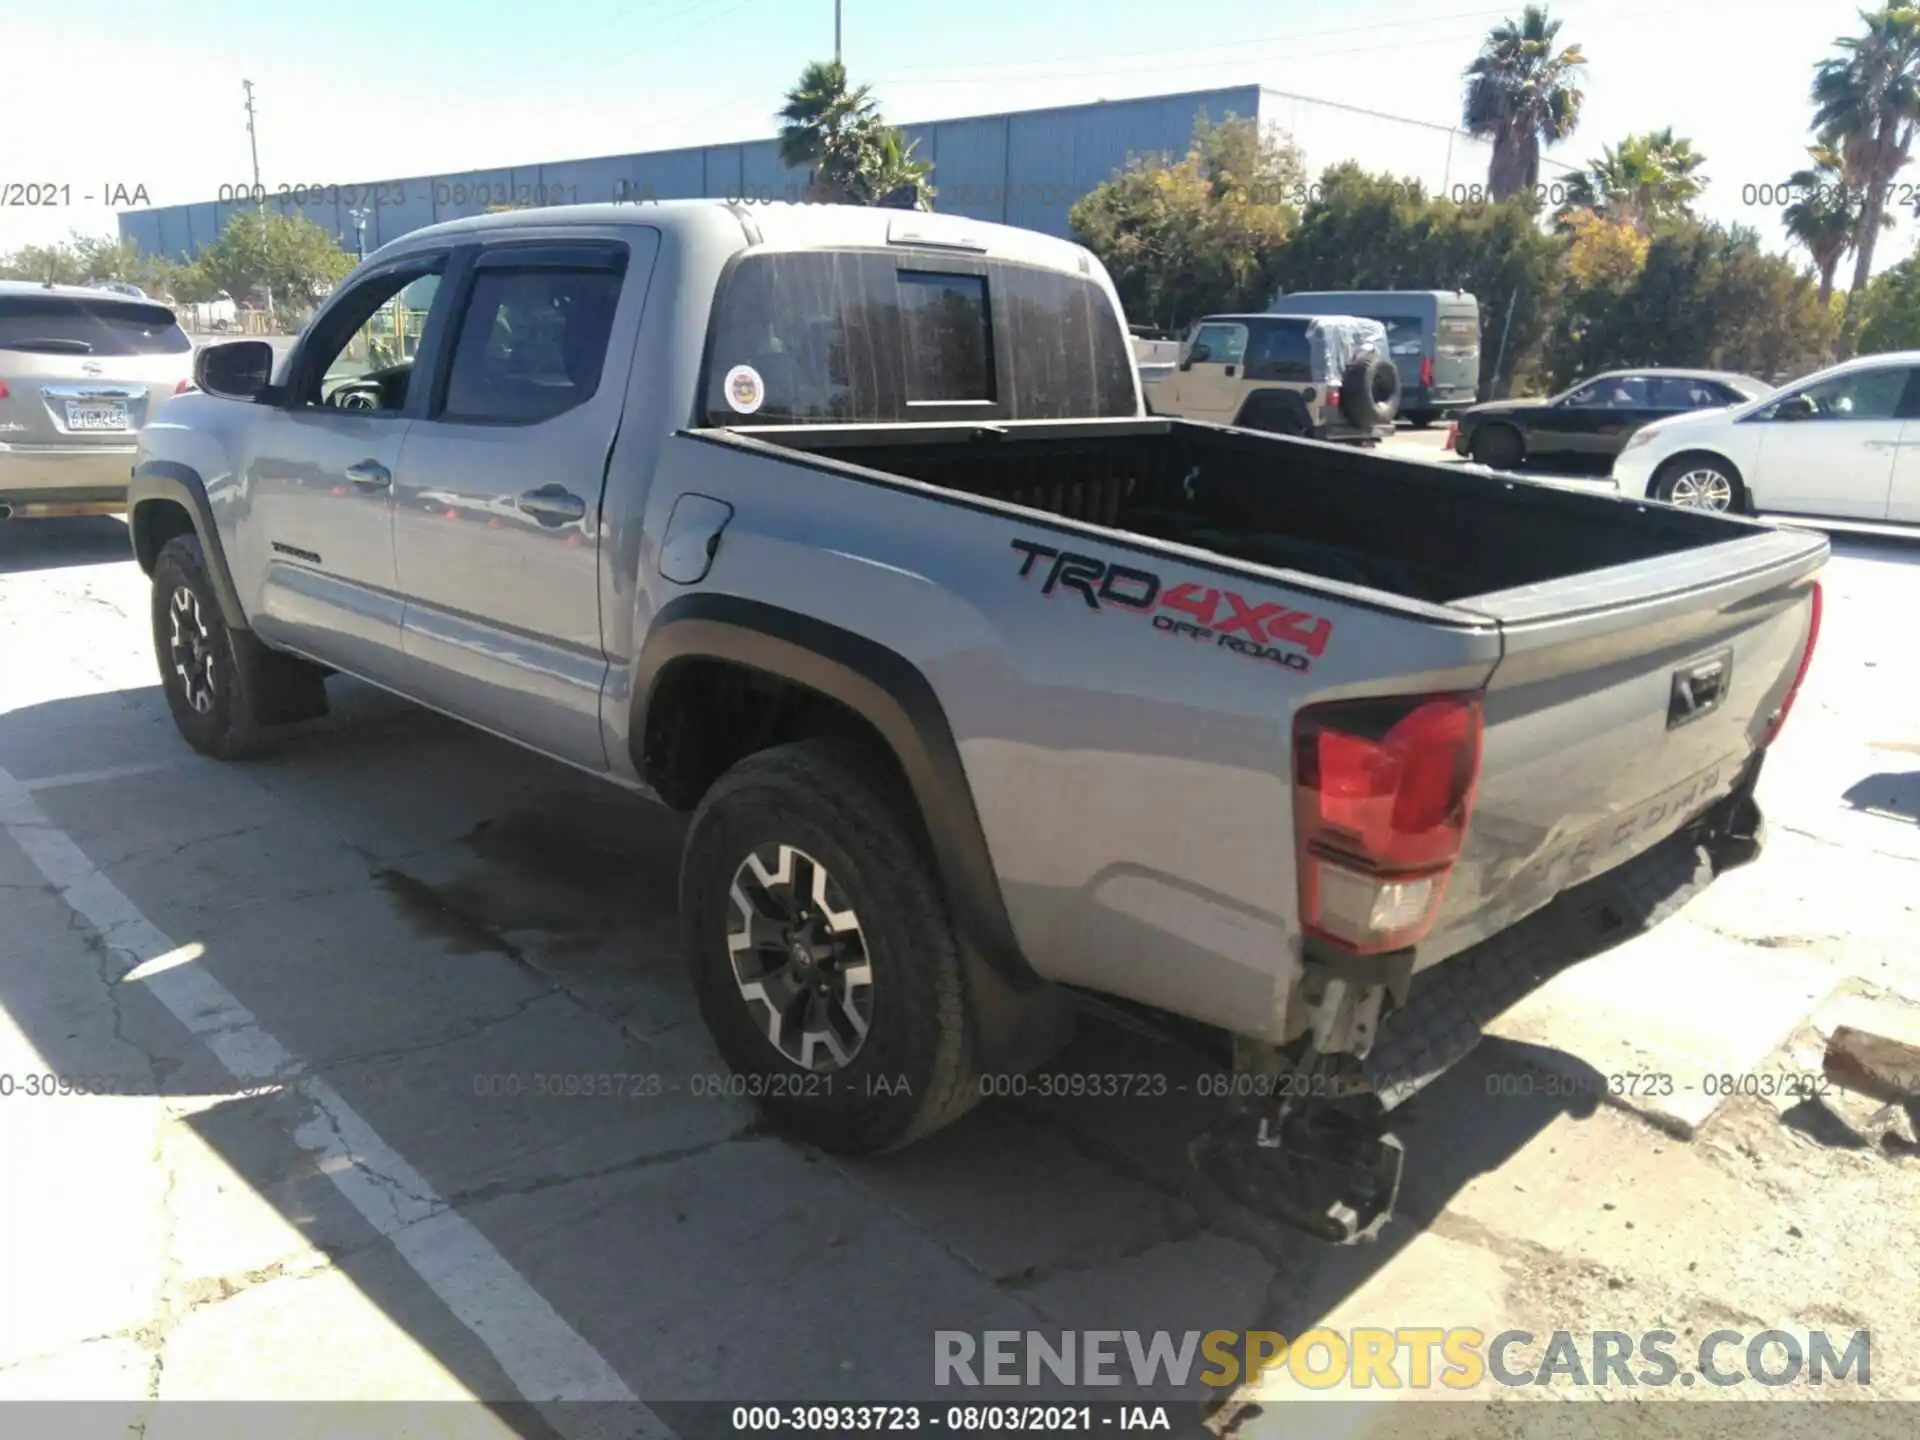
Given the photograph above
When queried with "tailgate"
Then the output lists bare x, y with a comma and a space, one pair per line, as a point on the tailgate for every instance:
1626, 701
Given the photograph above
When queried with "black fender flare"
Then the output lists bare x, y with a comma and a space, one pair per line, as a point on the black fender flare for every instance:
1018, 1018
886, 690
1260, 406
156, 481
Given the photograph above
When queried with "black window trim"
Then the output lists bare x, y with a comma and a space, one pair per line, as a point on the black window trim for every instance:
591, 256
300, 364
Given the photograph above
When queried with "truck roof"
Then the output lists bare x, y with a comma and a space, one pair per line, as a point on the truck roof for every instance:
781, 225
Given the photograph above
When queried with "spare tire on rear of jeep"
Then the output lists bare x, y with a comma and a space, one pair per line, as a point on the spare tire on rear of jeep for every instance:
1370, 391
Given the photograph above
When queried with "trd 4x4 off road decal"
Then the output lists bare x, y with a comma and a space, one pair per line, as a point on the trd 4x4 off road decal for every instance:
1199, 612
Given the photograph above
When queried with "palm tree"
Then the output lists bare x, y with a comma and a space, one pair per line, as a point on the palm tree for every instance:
1644, 180
1866, 103
1826, 216
850, 153
817, 111
1521, 95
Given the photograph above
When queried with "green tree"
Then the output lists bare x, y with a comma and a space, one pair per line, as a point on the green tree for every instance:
87, 260
1824, 216
1706, 295
1890, 311
1866, 103
262, 250
1364, 231
1196, 236
1645, 181
1522, 94
851, 155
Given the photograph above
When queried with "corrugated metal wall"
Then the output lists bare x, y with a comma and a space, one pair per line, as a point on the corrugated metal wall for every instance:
1024, 168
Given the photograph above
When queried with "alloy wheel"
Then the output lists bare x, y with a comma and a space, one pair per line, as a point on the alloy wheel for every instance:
191, 648
800, 958
1704, 489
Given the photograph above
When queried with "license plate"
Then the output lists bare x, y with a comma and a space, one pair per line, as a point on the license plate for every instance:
96, 415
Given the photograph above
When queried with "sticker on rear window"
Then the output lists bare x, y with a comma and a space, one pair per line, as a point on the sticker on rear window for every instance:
744, 389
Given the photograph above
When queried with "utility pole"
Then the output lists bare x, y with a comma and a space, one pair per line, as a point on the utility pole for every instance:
836, 31
260, 194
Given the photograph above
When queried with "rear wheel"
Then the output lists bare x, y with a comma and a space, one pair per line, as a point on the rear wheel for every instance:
825, 962
1498, 447
1699, 482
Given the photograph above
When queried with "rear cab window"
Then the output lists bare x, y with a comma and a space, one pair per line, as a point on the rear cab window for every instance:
84, 325
854, 335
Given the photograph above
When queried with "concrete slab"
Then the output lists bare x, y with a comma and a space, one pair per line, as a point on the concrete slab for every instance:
1664, 1016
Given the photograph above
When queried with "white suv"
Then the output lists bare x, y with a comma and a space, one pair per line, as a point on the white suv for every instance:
1841, 445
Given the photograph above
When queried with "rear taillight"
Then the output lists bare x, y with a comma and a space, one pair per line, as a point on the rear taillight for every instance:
4, 392
1426, 370
183, 387
1799, 676
1333, 397
1382, 794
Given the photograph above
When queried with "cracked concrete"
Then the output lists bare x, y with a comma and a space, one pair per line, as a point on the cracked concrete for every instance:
181, 1236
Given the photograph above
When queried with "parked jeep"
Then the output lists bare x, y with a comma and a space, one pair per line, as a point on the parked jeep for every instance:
1320, 377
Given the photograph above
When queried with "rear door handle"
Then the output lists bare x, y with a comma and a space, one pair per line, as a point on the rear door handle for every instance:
552, 505
370, 475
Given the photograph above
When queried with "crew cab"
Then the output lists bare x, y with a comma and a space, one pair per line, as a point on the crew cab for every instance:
845, 531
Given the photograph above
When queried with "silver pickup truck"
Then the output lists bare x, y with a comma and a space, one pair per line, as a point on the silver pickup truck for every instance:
846, 532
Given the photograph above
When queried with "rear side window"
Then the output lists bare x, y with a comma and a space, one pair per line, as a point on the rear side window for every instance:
1404, 336
1279, 351
1457, 334
852, 336
531, 344
74, 325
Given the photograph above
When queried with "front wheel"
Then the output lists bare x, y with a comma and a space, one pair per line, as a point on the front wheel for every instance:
1698, 483
1498, 447
223, 687
822, 954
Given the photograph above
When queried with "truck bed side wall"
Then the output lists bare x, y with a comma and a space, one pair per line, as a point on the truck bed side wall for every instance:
1132, 782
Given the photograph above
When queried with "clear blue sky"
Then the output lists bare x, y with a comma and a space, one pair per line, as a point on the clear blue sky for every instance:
356, 90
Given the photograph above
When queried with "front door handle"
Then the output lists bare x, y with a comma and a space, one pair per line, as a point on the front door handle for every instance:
370, 475
552, 505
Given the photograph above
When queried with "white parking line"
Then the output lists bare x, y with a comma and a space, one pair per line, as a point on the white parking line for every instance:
545, 1358
94, 777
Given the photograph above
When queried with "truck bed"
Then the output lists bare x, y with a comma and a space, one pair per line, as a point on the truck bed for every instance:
1421, 531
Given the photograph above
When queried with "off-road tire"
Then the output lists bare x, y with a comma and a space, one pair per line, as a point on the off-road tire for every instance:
1498, 447
836, 803
252, 688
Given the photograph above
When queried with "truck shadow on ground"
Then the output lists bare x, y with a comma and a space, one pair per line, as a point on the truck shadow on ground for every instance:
413, 908
1894, 794
56, 544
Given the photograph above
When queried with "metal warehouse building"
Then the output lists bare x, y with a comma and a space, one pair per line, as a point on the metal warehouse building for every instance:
1024, 168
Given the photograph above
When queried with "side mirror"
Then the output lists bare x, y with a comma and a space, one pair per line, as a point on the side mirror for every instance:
236, 370
1795, 407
